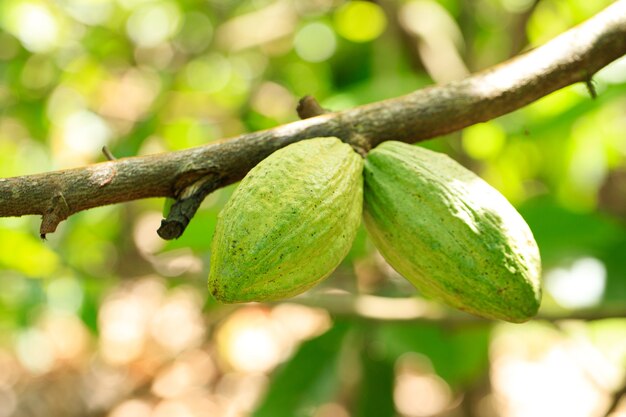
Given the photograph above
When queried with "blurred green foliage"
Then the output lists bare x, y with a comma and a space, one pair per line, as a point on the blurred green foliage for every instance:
146, 76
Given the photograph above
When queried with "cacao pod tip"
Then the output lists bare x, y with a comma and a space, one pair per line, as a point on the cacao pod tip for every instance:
222, 293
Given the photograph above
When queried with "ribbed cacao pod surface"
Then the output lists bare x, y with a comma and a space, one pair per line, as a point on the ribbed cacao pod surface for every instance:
289, 224
450, 233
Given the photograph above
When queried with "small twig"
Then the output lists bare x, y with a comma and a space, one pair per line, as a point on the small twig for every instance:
309, 107
107, 153
591, 87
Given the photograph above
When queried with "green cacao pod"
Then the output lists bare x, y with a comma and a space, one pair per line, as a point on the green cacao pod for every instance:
289, 224
450, 233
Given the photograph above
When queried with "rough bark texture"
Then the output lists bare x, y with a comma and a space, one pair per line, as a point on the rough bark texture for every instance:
191, 174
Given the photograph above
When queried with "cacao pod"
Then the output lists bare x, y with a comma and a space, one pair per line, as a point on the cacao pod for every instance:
450, 233
289, 224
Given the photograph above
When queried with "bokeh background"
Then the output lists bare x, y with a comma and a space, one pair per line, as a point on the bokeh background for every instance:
105, 319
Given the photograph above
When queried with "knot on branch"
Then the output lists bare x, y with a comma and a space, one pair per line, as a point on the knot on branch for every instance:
309, 107
55, 213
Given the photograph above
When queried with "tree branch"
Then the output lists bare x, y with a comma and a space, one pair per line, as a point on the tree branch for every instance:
572, 57
414, 309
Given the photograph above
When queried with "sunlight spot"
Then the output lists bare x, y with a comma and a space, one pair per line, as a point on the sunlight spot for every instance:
62, 103
85, 132
274, 100
300, 321
420, 393
315, 42
122, 324
67, 335
251, 342
35, 26
153, 24
254, 350
360, 21
178, 323
268, 24
173, 381
395, 308
553, 384
582, 285
130, 95
90, 12
35, 351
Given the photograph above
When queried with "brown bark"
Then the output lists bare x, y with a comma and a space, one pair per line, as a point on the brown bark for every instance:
190, 174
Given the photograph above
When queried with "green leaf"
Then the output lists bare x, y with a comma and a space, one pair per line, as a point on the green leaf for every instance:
308, 379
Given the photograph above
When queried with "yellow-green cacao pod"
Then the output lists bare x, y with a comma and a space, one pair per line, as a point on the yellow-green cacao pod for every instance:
289, 224
450, 233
